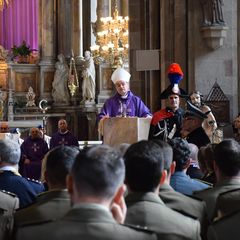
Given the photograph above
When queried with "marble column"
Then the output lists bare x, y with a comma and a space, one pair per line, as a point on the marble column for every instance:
47, 46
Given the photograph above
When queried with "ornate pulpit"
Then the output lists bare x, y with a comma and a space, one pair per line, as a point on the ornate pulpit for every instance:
119, 130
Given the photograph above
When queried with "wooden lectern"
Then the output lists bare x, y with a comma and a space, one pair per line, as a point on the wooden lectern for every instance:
119, 130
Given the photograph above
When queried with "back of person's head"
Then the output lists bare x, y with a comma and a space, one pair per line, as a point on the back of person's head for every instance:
193, 151
201, 159
227, 157
144, 162
181, 152
98, 171
123, 147
9, 152
59, 163
210, 156
167, 153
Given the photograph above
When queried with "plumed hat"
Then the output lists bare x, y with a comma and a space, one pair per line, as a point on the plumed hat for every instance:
194, 111
175, 75
120, 74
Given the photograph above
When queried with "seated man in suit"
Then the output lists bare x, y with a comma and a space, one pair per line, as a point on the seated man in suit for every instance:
96, 185
227, 169
10, 180
55, 202
144, 173
176, 200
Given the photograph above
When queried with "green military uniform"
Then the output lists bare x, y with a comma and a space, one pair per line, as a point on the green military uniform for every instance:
210, 195
49, 206
185, 204
9, 202
8, 205
147, 209
226, 228
228, 202
84, 221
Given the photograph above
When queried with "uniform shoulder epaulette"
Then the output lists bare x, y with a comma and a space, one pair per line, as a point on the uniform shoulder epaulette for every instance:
35, 222
200, 193
9, 193
34, 180
138, 228
193, 197
226, 216
186, 214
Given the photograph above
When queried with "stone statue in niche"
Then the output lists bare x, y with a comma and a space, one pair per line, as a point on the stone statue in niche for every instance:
30, 98
60, 92
88, 74
212, 12
217, 17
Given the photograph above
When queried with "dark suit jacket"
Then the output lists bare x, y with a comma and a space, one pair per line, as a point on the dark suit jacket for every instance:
148, 210
185, 204
210, 195
84, 222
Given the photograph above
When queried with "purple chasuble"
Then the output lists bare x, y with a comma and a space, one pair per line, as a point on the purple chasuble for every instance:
66, 139
34, 150
132, 106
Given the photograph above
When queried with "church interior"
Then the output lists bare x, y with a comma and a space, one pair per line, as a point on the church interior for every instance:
58, 34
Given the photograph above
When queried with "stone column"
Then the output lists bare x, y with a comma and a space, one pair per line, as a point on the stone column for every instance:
124, 8
104, 71
47, 43
47, 30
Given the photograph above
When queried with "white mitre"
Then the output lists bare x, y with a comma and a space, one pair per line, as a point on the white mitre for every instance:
120, 74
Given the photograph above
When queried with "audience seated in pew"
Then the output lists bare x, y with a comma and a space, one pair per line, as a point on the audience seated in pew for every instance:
96, 187
227, 170
180, 181
188, 205
55, 202
10, 180
144, 162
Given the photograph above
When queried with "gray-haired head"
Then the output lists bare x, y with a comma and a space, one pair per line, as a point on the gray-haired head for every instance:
9, 152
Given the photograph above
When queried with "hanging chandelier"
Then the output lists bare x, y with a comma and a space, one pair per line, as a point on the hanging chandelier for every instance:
3, 3
112, 40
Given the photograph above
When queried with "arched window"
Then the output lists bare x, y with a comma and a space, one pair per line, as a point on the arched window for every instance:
19, 22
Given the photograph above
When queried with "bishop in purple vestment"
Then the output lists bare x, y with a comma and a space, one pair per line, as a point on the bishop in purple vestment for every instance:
63, 137
33, 150
124, 103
